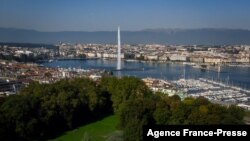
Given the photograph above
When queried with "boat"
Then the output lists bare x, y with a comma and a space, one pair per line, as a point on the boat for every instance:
51, 60
131, 60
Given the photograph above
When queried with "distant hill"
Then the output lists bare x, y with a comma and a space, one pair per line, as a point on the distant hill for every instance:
206, 36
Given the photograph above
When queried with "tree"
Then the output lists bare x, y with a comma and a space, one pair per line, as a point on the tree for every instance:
134, 115
162, 113
48, 75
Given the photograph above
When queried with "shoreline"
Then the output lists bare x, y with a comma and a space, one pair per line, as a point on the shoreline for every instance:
146, 61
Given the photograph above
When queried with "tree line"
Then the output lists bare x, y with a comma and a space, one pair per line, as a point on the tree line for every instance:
43, 111
137, 106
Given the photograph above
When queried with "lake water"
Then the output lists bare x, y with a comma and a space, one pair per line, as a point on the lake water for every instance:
239, 76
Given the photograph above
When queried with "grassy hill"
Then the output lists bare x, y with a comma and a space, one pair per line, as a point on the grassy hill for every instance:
97, 131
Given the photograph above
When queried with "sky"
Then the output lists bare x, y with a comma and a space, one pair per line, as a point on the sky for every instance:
106, 15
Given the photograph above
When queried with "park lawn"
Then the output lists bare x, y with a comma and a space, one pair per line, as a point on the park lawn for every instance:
97, 131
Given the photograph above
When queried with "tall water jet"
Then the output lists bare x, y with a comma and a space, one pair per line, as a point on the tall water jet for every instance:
118, 49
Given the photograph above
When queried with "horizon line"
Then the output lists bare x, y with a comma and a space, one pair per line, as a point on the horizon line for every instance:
145, 29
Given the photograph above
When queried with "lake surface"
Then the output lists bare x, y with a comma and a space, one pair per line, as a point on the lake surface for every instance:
239, 76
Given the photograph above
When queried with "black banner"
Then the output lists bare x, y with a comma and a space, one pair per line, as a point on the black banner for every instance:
195, 131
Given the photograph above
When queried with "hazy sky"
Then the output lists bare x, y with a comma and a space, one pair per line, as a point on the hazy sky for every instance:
95, 15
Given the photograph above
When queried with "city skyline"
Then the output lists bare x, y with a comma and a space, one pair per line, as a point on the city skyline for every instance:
133, 15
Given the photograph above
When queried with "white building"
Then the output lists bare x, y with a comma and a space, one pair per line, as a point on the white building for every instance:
177, 57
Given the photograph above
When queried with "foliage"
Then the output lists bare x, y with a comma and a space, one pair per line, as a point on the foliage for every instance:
159, 109
122, 89
43, 111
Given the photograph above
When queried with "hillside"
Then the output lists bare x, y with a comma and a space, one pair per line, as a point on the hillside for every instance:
206, 36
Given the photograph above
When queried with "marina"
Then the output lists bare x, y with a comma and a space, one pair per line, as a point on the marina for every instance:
214, 91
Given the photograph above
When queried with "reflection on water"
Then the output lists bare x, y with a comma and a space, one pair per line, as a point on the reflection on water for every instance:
239, 76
